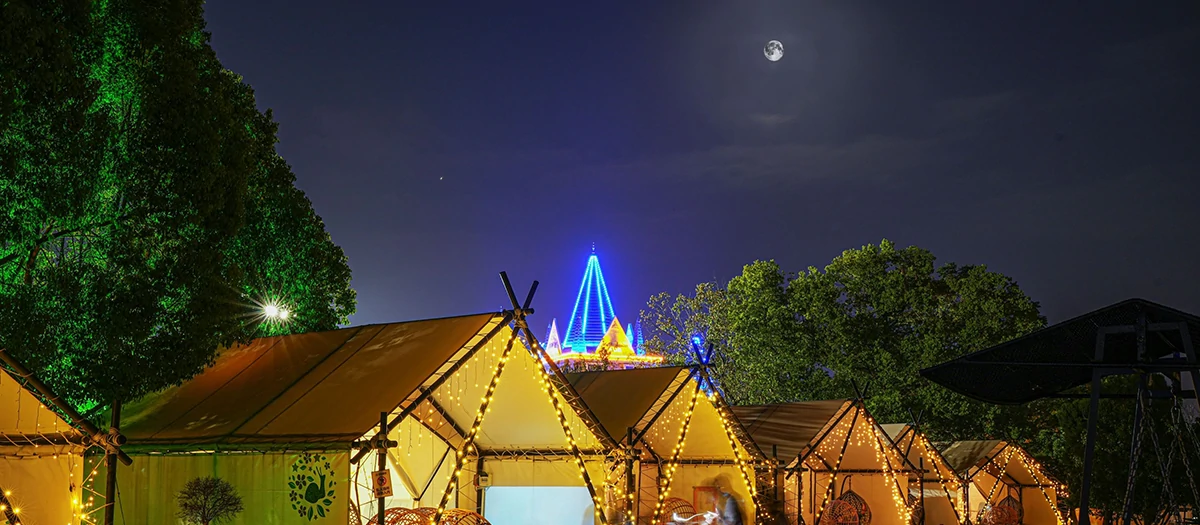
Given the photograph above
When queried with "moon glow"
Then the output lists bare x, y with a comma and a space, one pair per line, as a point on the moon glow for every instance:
773, 51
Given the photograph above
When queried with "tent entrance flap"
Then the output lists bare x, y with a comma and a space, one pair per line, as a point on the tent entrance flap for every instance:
538, 506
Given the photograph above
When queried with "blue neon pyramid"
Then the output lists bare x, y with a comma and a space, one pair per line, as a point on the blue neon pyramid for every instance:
593, 311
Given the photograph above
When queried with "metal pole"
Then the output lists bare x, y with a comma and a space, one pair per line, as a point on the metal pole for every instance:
1089, 450
479, 485
110, 465
1133, 450
381, 461
921, 484
966, 496
630, 503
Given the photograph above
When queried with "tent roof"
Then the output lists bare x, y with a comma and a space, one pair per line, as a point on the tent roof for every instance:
904, 436
962, 455
896, 430
620, 398
321, 387
791, 427
28, 420
995, 458
1061, 357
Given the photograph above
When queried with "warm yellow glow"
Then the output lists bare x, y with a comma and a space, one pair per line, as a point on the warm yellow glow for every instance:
580, 356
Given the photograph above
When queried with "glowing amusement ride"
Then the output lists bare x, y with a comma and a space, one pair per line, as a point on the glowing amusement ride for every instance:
594, 335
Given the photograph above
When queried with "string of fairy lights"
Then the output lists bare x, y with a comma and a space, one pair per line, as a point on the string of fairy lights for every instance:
469, 441
927, 452
1008, 453
884, 456
673, 463
552, 394
823, 450
744, 466
57, 432
466, 380
1029, 465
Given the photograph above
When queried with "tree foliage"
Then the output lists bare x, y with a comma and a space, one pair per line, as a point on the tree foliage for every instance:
878, 315
146, 212
874, 315
204, 501
1168, 456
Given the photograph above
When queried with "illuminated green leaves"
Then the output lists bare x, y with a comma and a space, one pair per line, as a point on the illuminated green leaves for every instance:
145, 207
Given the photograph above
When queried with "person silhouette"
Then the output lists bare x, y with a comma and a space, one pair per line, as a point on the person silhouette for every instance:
728, 510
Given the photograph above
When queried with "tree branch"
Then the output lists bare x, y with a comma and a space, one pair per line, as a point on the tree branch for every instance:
16, 255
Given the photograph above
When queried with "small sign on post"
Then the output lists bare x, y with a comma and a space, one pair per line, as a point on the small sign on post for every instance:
381, 483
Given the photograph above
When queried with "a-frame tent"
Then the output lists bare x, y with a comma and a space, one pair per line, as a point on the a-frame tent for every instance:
679, 444
934, 487
835, 461
41, 451
1004, 483
290, 420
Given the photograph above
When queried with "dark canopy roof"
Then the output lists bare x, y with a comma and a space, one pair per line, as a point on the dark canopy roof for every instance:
962, 455
620, 398
321, 387
791, 427
1062, 356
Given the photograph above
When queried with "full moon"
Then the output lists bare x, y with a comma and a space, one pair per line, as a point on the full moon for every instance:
774, 50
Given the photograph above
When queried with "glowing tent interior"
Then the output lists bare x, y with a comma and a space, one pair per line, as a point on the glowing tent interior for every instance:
1005, 486
837, 465
284, 419
680, 444
934, 489
41, 454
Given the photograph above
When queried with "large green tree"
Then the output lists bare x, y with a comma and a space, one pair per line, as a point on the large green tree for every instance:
874, 315
878, 315
146, 215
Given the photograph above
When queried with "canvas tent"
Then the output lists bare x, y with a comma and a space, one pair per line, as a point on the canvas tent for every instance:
280, 418
41, 453
683, 443
934, 487
835, 460
1005, 484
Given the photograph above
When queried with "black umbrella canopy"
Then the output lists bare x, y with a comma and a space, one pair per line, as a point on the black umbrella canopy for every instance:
1062, 356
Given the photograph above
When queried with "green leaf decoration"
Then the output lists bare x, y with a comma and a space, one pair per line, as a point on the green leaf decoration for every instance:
321, 511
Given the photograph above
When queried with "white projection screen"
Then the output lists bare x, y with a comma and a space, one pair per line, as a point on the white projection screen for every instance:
538, 506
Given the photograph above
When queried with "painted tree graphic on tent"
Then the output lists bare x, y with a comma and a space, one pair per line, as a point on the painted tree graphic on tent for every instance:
312, 488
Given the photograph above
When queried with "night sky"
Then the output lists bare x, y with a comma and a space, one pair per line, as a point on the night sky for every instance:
1058, 144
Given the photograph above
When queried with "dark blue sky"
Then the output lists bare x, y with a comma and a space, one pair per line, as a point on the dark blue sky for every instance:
1057, 144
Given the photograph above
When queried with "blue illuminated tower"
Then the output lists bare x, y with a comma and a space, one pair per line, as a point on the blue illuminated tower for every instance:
593, 311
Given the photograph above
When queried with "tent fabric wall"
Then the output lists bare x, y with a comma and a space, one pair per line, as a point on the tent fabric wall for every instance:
41, 457
825, 442
997, 469
267, 483
251, 402
625, 399
293, 389
876, 489
46, 489
938, 484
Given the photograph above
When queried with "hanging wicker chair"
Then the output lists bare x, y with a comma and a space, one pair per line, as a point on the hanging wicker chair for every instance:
918, 510
840, 512
355, 519
999, 515
402, 516
672, 506
859, 504
461, 517
1015, 505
